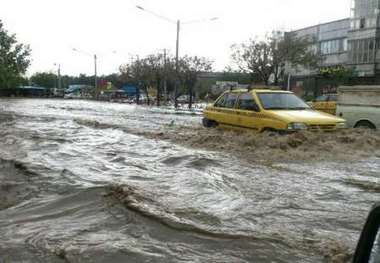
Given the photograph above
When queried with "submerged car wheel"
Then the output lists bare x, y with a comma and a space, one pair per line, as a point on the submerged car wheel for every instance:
270, 131
365, 125
208, 123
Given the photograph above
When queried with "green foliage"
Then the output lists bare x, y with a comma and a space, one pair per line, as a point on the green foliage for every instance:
155, 69
114, 79
268, 57
139, 72
189, 68
14, 59
243, 78
44, 79
254, 58
338, 73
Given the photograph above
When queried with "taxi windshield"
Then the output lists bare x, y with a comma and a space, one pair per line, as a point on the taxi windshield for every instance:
281, 101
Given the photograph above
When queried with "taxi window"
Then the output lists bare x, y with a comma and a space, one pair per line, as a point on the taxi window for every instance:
246, 102
221, 101
230, 100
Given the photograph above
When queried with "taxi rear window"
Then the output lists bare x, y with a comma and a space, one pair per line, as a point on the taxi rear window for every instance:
227, 101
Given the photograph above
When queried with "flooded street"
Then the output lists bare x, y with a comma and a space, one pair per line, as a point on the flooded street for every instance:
84, 181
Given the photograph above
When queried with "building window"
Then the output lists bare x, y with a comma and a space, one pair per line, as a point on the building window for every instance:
362, 23
333, 46
364, 14
362, 51
364, 8
345, 44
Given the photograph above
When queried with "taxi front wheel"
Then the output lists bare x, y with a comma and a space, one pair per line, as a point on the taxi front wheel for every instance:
209, 123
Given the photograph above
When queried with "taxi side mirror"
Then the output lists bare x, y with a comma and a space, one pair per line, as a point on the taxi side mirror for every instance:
368, 247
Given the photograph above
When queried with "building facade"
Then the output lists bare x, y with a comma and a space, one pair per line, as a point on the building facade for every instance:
352, 43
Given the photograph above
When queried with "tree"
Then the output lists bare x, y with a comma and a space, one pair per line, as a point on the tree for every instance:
267, 58
232, 75
137, 72
156, 66
115, 79
154, 70
44, 79
339, 73
14, 59
189, 69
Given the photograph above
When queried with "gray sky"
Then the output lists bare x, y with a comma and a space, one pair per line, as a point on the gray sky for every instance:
53, 28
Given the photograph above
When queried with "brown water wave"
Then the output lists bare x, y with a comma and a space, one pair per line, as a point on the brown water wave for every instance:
16, 183
89, 226
136, 200
342, 145
123, 224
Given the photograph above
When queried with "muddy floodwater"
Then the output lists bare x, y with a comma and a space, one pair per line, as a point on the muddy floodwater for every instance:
84, 181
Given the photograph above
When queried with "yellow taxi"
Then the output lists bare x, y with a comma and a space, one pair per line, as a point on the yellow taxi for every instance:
325, 103
267, 110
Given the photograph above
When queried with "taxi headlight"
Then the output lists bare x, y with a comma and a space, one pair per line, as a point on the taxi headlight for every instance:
297, 126
341, 125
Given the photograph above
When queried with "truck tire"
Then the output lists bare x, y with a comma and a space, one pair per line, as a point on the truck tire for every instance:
365, 125
208, 123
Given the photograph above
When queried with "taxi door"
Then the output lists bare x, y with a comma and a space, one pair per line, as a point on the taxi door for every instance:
225, 111
247, 111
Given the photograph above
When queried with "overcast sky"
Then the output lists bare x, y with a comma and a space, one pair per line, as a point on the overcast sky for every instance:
53, 28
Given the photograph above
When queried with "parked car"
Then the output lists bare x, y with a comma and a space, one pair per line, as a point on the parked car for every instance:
325, 103
360, 106
73, 95
267, 110
183, 99
143, 98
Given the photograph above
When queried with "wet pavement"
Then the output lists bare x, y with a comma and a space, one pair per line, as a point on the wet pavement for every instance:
85, 181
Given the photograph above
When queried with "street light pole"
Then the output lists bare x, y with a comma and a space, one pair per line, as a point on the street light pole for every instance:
59, 77
165, 78
178, 22
177, 65
95, 70
96, 78
59, 86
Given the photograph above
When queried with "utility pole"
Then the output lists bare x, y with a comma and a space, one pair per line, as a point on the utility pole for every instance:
58, 87
59, 78
289, 77
96, 78
95, 69
165, 77
177, 65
